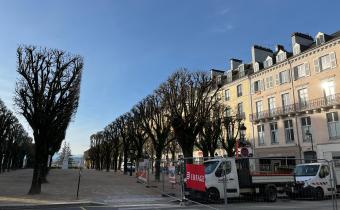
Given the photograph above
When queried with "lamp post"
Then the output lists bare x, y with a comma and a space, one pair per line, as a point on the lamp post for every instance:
310, 136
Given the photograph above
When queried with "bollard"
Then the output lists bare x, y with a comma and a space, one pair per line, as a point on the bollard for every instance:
79, 174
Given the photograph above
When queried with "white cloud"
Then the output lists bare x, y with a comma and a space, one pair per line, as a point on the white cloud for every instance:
223, 28
223, 11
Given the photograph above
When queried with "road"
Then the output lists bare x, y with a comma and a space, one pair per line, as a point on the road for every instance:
279, 205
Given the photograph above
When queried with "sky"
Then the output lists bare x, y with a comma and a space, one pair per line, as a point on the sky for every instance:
131, 46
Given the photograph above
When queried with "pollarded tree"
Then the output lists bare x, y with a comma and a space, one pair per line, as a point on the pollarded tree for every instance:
156, 124
122, 128
212, 132
47, 93
232, 126
189, 98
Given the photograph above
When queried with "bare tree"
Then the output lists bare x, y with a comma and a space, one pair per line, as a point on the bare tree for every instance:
232, 126
212, 132
47, 93
156, 123
189, 97
122, 126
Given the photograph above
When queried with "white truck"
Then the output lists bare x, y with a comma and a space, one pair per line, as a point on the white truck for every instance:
242, 179
316, 180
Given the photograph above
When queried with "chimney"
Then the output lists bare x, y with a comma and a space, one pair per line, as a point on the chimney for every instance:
235, 63
301, 39
259, 53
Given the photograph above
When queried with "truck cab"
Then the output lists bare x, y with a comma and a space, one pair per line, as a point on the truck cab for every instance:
313, 180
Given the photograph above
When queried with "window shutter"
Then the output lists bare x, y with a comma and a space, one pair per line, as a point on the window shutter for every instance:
262, 85
333, 59
288, 75
267, 82
307, 69
317, 65
296, 73
252, 88
277, 79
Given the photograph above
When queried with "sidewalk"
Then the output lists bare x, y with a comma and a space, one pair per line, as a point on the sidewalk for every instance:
95, 187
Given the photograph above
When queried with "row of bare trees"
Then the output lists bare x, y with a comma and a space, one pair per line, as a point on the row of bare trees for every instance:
16, 148
182, 111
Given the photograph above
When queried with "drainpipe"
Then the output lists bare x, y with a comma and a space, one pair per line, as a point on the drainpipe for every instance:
252, 114
295, 108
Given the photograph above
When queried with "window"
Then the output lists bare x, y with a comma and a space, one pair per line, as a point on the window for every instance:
227, 112
239, 90
256, 86
296, 49
240, 109
227, 95
281, 56
273, 133
260, 134
305, 126
303, 97
333, 125
256, 67
283, 77
268, 62
241, 70
301, 71
289, 131
271, 105
329, 90
229, 76
285, 101
320, 39
325, 62
269, 82
259, 108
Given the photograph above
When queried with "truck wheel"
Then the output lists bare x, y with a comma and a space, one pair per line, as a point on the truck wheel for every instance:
318, 195
213, 195
270, 195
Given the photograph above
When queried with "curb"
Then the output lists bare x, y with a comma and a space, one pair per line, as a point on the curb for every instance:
48, 206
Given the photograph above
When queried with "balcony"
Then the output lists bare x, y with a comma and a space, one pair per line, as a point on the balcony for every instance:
311, 105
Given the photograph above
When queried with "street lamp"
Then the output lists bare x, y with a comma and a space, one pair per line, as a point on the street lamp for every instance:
310, 136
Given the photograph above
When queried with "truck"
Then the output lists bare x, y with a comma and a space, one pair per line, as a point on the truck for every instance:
241, 178
316, 180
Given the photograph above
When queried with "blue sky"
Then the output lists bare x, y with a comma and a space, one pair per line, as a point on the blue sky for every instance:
131, 46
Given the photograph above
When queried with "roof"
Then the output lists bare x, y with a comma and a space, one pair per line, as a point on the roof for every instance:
306, 36
263, 48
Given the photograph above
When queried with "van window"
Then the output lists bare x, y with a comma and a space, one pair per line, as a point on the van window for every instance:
227, 165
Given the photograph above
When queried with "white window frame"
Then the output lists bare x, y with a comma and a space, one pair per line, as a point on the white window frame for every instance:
306, 125
289, 131
333, 125
260, 134
227, 95
274, 137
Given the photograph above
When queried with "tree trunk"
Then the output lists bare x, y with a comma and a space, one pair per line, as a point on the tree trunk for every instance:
36, 181
158, 164
50, 162
125, 161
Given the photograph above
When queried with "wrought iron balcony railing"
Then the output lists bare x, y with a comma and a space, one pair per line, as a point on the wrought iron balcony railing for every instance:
313, 104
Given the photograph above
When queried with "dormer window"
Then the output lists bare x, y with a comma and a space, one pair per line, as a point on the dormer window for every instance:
296, 49
320, 38
281, 56
256, 67
241, 70
268, 62
229, 77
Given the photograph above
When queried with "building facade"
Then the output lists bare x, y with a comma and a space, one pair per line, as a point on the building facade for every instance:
291, 100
